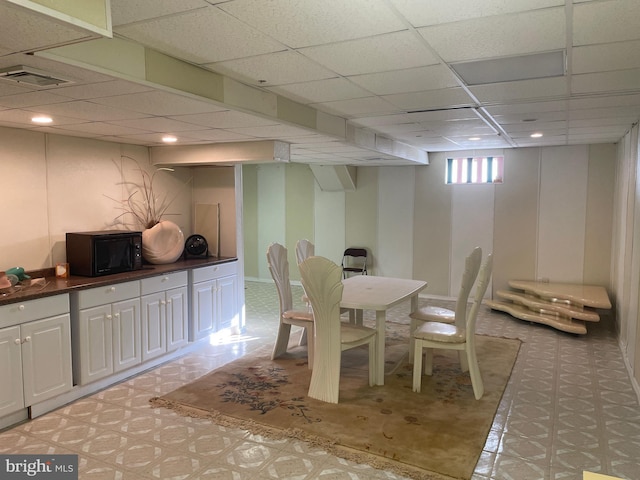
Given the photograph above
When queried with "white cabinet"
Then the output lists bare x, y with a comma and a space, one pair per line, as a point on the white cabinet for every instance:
214, 299
106, 326
35, 352
165, 314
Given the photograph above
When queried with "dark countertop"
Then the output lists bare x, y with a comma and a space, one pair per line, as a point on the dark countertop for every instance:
54, 286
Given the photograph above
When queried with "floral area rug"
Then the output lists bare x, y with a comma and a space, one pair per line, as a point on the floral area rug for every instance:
436, 434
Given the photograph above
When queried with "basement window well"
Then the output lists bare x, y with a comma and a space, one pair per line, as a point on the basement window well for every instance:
474, 170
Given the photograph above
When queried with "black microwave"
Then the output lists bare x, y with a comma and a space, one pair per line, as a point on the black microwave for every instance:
93, 254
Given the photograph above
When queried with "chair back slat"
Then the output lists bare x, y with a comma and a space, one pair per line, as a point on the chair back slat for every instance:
279, 269
471, 268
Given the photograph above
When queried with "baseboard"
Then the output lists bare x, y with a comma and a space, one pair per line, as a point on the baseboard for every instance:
634, 382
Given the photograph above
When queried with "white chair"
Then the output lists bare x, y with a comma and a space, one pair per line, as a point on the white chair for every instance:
279, 268
321, 279
440, 335
444, 315
304, 250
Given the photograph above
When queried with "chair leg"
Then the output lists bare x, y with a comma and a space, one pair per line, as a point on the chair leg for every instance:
412, 328
428, 361
282, 340
474, 372
417, 366
310, 348
464, 362
303, 338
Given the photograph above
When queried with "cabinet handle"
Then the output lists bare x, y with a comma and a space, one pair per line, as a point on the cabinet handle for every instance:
112, 289
21, 308
17, 341
162, 302
169, 301
165, 279
117, 315
109, 317
27, 339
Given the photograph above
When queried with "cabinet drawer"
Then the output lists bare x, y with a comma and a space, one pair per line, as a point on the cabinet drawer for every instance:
163, 282
108, 294
214, 271
16, 313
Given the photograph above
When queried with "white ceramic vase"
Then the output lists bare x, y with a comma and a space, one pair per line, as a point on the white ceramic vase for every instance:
162, 243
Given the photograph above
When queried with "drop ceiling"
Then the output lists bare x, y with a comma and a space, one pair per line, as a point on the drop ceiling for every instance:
387, 69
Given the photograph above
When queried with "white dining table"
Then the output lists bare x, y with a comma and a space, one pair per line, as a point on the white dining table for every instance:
369, 292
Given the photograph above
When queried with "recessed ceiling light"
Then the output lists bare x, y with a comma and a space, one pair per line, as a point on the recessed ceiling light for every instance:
43, 119
536, 135
474, 139
169, 139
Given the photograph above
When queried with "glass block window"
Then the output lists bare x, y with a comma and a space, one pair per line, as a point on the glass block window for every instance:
475, 170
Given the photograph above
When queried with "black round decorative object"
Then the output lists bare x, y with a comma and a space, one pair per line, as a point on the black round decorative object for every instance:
196, 246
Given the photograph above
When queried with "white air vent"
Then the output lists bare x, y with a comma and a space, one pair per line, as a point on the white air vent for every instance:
31, 76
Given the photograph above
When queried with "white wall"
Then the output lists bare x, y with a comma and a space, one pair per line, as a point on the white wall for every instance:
55, 184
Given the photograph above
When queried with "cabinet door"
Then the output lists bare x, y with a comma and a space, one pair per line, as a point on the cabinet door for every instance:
204, 305
46, 358
177, 318
228, 299
154, 325
126, 334
11, 396
95, 332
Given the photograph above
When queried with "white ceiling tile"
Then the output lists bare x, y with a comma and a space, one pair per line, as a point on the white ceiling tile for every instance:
612, 112
318, 91
399, 50
534, 126
517, 118
542, 88
300, 23
155, 124
159, 103
272, 69
12, 88
101, 89
271, 131
86, 111
432, 99
432, 13
616, 130
23, 118
498, 36
99, 128
358, 106
622, 100
527, 108
214, 135
224, 119
620, 80
375, 121
444, 115
595, 123
604, 57
608, 21
126, 11
433, 77
30, 99
201, 36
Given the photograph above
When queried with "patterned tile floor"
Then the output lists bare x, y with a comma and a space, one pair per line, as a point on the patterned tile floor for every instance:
569, 407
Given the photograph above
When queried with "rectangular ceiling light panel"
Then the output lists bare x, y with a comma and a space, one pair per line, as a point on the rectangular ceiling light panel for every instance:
509, 69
